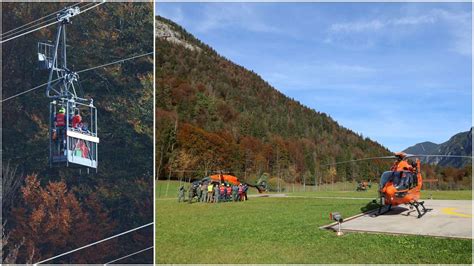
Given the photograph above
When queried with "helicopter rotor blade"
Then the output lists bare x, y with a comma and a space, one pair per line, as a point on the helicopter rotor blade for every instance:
438, 155
362, 159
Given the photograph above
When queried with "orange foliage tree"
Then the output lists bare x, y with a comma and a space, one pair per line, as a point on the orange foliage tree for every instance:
51, 220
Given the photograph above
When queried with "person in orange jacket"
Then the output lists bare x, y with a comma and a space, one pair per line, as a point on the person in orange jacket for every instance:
76, 119
60, 123
222, 191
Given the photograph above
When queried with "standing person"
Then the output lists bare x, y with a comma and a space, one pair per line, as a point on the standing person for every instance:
229, 192
181, 192
241, 192
199, 192
209, 192
192, 191
216, 193
60, 122
204, 193
245, 188
235, 190
222, 191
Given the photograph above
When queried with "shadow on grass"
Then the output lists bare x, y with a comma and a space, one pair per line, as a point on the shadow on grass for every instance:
372, 205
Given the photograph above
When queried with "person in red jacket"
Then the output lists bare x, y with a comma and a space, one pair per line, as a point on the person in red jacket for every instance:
222, 191
60, 123
76, 119
229, 192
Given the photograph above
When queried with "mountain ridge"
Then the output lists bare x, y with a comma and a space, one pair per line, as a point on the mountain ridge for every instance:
458, 144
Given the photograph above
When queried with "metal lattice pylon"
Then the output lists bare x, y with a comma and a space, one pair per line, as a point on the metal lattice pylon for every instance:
62, 82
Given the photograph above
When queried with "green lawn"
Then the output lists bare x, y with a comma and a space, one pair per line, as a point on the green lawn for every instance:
325, 191
372, 193
285, 230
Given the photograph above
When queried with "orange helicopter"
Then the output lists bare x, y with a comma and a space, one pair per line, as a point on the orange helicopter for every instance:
403, 183
230, 179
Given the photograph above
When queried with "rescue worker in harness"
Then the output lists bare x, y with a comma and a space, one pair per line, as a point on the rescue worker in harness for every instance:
405, 178
60, 123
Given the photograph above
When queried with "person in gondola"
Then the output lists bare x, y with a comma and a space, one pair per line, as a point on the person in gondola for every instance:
60, 123
76, 119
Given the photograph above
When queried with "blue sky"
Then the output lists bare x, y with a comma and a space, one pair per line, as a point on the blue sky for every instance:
399, 73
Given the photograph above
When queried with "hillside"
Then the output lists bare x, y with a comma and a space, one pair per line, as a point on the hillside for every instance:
459, 144
228, 118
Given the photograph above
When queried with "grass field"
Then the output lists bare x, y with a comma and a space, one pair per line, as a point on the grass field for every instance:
285, 230
340, 190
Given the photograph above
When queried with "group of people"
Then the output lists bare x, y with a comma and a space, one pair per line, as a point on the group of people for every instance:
75, 122
214, 193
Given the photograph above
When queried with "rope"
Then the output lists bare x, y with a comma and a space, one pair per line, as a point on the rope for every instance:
129, 255
17, 28
81, 71
95, 243
47, 25
393, 157
115, 62
34, 26
28, 32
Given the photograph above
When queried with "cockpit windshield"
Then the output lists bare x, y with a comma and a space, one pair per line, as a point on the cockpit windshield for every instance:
401, 180
386, 176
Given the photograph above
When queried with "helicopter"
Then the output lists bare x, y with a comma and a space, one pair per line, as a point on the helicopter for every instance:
221, 177
402, 183
227, 178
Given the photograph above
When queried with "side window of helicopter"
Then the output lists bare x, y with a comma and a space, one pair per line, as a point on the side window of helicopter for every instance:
405, 180
397, 179
386, 176
409, 179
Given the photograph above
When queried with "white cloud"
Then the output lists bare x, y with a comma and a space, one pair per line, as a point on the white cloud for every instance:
219, 16
404, 21
359, 26
460, 24
378, 24
363, 32
351, 68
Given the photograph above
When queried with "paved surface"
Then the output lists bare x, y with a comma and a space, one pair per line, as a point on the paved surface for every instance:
448, 218
264, 195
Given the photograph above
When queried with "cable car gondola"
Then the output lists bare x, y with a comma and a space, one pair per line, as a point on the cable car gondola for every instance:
73, 138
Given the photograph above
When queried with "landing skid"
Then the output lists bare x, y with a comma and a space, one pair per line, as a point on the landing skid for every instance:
416, 204
380, 210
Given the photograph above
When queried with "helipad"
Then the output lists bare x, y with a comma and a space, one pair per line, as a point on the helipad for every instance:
447, 218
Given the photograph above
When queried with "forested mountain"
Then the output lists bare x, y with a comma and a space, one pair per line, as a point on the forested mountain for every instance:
88, 207
215, 115
459, 144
